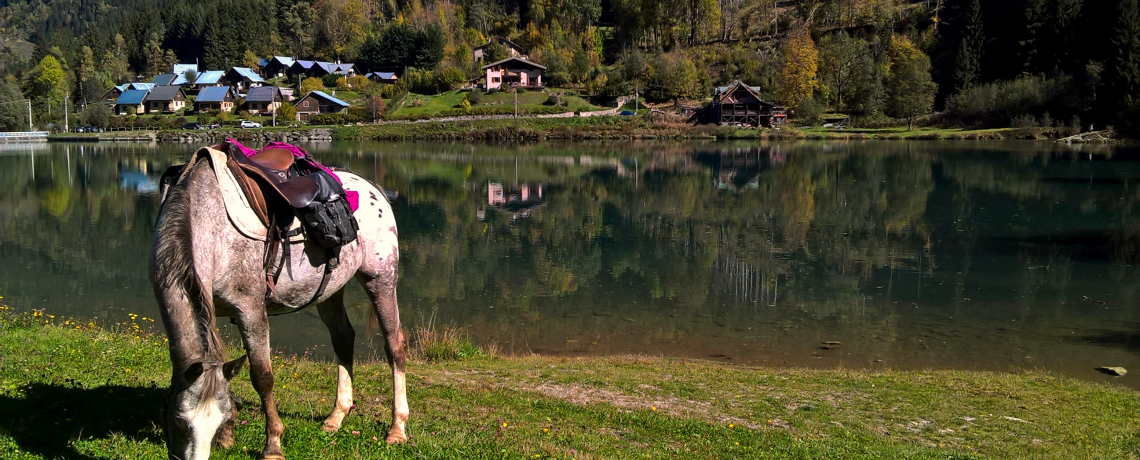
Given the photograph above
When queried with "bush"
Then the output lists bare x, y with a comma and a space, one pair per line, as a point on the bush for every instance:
287, 113
330, 80
333, 119
810, 110
309, 85
1000, 104
520, 90
475, 96
554, 100
343, 85
180, 121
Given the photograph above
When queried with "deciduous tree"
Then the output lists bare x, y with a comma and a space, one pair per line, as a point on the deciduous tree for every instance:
799, 66
909, 86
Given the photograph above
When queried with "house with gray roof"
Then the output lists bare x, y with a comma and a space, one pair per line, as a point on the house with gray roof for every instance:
219, 98
319, 102
131, 102
382, 77
243, 78
168, 99
264, 99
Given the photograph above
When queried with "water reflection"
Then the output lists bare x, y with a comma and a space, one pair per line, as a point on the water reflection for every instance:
961, 255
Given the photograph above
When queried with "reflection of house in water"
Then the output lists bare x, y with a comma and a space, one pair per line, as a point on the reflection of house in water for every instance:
137, 178
517, 200
740, 169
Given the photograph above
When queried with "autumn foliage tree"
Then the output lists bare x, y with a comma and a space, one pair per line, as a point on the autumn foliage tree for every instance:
799, 67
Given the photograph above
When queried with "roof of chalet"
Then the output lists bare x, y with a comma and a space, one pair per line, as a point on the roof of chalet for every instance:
179, 79
164, 93
305, 64
209, 77
382, 75
283, 60
522, 62
722, 92
163, 79
263, 94
323, 95
262, 61
131, 97
143, 86
214, 94
248, 73
180, 69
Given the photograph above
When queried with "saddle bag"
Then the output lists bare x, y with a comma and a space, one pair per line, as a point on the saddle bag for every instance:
328, 219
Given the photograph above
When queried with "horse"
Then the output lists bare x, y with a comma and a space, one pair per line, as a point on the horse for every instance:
203, 268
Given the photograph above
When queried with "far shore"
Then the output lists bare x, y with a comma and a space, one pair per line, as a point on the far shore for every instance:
575, 128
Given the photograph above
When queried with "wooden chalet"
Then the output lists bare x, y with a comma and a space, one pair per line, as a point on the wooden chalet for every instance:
243, 78
131, 102
264, 99
319, 102
382, 77
277, 66
219, 98
167, 99
741, 104
514, 73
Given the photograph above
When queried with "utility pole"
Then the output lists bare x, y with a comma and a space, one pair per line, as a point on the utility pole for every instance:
516, 102
66, 96
30, 127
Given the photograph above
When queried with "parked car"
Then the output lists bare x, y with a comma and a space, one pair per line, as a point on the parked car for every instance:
627, 113
214, 126
250, 124
192, 126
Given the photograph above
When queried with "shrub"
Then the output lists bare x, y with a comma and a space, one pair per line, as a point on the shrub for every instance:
330, 80
554, 100
309, 85
287, 113
180, 121
999, 104
333, 119
343, 85
475, 96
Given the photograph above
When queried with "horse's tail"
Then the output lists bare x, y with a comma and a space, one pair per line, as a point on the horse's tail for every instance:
174, 264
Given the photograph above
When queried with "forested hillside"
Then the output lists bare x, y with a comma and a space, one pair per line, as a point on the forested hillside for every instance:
977, 62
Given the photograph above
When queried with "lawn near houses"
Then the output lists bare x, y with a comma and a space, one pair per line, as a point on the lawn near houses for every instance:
80, 390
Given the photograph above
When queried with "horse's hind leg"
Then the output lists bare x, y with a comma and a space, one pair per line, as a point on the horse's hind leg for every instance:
381, 287
340, 329
254, 326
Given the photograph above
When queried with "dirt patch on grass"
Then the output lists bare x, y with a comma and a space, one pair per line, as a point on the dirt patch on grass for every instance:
583, 395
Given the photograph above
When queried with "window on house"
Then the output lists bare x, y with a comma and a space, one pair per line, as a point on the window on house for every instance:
494, 79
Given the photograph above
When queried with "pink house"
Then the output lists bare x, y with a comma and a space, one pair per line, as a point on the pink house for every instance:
514, 72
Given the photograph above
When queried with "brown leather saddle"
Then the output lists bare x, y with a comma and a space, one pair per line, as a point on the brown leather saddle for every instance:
270, 184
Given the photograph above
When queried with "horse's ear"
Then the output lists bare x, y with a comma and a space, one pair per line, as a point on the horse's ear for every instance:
191, 374
230, 369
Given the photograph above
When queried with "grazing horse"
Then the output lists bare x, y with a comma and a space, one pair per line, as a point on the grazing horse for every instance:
202, 267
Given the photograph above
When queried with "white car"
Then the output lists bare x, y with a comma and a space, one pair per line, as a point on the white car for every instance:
250, 124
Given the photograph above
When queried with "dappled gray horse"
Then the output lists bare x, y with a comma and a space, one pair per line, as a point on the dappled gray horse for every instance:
202, 267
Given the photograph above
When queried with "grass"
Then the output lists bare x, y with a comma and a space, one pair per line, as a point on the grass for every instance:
421, 105
75, 390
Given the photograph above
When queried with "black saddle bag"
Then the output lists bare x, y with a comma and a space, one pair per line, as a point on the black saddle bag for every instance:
328, 220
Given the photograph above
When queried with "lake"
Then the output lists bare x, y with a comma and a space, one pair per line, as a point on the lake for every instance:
911, 255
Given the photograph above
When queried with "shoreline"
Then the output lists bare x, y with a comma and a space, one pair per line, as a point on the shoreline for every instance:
571, 128
62, 377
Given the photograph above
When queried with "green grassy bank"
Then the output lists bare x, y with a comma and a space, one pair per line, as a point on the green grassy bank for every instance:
615, 127
71, 390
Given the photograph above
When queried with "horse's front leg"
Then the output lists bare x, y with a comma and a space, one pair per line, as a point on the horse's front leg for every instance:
254, 325
343, 336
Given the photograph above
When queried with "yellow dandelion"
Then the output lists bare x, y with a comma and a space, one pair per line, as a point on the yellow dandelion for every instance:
654, 407
731, 425
504, 424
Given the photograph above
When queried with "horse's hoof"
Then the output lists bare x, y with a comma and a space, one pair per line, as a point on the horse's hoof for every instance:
272, 454
396, 438
330, 427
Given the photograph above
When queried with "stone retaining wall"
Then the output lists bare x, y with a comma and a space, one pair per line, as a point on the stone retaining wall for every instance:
246, 136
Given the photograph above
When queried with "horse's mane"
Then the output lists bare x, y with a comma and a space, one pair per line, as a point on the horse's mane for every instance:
174, 269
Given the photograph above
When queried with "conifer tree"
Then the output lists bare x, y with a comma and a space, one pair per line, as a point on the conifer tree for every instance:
968, 62
1124, 68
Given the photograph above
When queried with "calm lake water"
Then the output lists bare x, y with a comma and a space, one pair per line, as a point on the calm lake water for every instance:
960, 255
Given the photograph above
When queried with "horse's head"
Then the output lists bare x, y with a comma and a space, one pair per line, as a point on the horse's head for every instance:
198, 405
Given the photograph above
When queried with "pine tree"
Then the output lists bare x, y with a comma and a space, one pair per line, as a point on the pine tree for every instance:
1124, 67
968, 62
